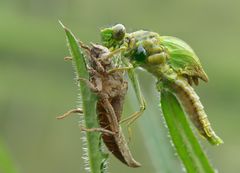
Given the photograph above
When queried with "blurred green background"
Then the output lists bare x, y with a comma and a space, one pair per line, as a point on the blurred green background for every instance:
37, 85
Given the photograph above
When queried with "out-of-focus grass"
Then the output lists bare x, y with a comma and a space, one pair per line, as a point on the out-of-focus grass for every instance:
6, 162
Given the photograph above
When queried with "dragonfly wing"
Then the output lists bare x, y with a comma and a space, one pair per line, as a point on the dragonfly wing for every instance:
182, 58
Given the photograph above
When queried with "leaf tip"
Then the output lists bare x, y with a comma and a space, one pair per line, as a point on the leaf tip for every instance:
60, 22
63, 26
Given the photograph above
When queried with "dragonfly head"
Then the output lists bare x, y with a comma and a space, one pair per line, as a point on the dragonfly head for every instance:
113, 36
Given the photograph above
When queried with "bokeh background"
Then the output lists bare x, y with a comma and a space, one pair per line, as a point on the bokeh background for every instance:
36, 84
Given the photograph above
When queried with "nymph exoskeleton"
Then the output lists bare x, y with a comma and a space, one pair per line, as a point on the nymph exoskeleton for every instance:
171, 61
107, 81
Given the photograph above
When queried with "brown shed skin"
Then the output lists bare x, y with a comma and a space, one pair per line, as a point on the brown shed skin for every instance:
111, 89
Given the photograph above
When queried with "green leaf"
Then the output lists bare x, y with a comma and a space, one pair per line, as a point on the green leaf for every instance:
185, 142
96, 159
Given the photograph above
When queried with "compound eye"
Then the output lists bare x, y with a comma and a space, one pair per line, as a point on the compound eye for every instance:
141, 53
119, 32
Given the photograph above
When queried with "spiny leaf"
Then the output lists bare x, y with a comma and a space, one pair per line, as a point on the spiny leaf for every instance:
186, 144
95, 155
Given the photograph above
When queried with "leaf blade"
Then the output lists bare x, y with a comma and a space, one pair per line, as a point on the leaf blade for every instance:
187, 146
96, 158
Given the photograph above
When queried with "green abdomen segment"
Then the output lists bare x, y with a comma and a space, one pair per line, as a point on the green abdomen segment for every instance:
194, 108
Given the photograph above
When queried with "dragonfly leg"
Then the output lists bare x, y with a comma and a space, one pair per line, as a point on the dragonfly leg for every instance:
111, 54
72, 111
132, 118
129, 121
140, 98
119, 69
105, 131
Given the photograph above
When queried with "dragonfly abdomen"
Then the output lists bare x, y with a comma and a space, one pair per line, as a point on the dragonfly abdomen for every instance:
194, 108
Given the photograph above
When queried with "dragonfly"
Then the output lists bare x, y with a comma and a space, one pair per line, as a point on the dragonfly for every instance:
174, 64
107, 81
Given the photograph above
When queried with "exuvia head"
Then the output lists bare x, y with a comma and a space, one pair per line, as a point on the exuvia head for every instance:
98, 50
113, 36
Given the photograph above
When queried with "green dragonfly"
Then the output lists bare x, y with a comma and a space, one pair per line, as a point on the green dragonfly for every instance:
171, 61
